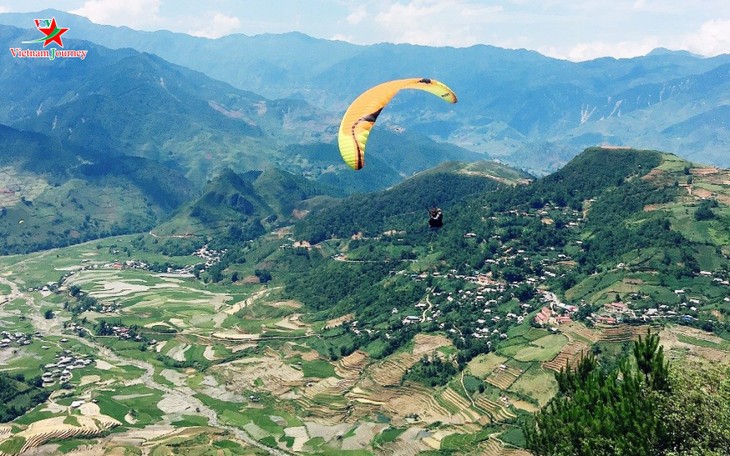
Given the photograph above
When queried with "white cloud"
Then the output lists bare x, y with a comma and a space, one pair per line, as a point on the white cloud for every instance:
3, 9
357, 16
436, 22
712, 39
342, 37
596, 49
219, 25
139, 14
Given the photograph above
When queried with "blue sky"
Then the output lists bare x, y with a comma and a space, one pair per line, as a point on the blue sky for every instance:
568, 29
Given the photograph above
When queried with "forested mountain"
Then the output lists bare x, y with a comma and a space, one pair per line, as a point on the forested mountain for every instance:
609, 216
139, 104
237, 207
54, 194
529, 109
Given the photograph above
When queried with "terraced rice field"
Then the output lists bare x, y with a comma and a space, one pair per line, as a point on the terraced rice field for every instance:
458, 406
390, 371
579, 331
495, 410
352, 365
570, 354
622, 333
42, 431
493, 447
503, 377
151, 299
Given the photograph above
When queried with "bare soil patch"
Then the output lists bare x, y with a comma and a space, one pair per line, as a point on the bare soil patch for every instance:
209, 353
178, 352
678, 349
89, 409
653, 174
103, 365
335, 322
300, 437
174, 377
290, 304
364, 434
268, 373
292, 322
170, 404
327, 432
704, 171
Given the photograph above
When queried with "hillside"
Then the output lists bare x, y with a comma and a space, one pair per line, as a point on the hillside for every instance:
241, 207
404, 205
514, 104
612, 225
52, 194
145, 106
359, 329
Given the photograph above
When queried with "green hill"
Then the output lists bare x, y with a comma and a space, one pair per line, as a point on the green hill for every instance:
613, 224
138, 104
53, 194
242, 205
403, 207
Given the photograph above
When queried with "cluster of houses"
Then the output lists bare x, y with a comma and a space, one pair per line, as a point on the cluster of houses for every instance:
15, 339
128, 264
614, 313
113, 307
555, 313
293, 244
483, 296
209, 256
123, 332
487, 292
61, 370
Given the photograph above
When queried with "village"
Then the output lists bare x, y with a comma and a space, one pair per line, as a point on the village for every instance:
15, 339
489, 306
61, 370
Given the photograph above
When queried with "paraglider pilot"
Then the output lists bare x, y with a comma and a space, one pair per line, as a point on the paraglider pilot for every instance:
435, 218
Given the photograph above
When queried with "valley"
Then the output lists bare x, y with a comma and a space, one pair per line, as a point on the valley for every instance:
188, 265
244, 353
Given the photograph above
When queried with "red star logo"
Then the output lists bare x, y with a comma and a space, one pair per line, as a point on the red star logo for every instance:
52, 32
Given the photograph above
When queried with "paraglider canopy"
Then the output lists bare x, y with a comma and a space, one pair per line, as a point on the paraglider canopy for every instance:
364, 111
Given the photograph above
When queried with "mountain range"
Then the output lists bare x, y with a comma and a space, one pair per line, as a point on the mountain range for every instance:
529, 110
53, 194
145, 106
223, 120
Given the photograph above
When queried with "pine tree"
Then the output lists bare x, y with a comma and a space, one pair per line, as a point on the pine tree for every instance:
605, 413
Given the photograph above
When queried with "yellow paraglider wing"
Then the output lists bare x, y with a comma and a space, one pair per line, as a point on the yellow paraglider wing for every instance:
364, 111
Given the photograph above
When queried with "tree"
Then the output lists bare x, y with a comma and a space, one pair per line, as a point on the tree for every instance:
605, 413
263, 274
74, 290
649, 356
697, 414
704, 210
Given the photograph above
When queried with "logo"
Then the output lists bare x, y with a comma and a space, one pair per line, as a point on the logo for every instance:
50, 30
52, 33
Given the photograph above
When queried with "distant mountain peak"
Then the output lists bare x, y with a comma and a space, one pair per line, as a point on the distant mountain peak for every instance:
664, 51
